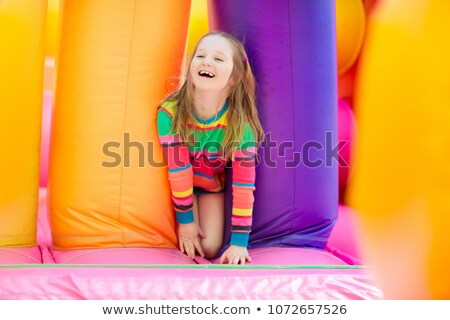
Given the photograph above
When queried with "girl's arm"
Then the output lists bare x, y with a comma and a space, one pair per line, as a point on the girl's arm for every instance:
243, 166
180, 169
243, 187
181, 180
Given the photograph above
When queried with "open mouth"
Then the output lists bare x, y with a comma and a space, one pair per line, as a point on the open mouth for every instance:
206, 74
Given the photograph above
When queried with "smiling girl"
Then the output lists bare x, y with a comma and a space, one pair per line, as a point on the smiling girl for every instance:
210, 121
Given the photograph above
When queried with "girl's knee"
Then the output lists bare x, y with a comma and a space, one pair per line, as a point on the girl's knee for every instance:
210, 248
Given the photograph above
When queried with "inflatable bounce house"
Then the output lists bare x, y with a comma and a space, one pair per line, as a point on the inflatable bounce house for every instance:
73, 226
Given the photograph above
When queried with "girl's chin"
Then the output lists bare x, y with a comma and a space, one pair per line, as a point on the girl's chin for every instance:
205, 87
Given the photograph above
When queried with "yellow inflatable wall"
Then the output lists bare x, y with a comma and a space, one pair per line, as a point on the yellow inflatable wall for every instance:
402, 179
51, 40
22, 35
350, 31
116, 62
198, 23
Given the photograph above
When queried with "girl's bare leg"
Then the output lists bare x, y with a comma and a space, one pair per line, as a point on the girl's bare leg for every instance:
211, 213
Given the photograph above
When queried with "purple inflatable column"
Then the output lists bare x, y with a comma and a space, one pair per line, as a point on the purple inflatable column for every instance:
292, 49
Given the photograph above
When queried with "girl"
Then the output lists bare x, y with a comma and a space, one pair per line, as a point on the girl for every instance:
212, 119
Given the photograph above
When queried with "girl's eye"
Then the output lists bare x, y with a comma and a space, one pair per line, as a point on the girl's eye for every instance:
218, 59
200, 56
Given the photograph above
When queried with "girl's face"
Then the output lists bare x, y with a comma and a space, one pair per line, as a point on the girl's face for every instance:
212, 64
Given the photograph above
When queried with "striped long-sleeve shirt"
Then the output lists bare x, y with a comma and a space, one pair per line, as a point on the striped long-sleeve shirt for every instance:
200, 165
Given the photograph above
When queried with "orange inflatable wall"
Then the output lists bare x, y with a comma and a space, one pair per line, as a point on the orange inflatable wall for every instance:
116, 62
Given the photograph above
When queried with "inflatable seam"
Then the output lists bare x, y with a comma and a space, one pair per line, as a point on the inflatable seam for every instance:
125, 117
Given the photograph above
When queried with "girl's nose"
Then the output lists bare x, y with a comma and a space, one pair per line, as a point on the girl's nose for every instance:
206, 62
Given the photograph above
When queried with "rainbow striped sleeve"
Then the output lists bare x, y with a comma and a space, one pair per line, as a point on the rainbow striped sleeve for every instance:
243, 168
180, 169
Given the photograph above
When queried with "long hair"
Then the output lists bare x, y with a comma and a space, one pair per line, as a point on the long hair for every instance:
241, 99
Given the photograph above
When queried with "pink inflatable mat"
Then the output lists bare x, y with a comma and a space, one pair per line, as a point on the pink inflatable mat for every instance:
147, 273
27, 255
157, 273
185, 282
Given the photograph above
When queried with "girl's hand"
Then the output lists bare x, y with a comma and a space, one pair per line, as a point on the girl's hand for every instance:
189, 239
234, 255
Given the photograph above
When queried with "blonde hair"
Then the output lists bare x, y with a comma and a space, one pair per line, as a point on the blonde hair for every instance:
241, 98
